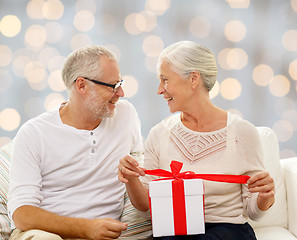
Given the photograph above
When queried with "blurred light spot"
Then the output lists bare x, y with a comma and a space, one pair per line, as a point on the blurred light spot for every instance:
89, 5
222, 58
130, 86
46, 54
5, 80
33, 107
287, 153
158, 7
55, 81
152, 46
115, 50
53, 100
294, 5
4, 141
53, 9
283, 130
10, 26
55, 63
151, 63
149, 23
34, 72
293, 69
132, 23
262, 75
34, 9
39, 86
80, 40
5, 55
215, 90
19, 64
237, 58
84, 21
106, 23
54, 32
289, 40
230, 88
279, 86
200, 27
239, 3
9, 119
35, 36
232, 58
235, 31
291, 116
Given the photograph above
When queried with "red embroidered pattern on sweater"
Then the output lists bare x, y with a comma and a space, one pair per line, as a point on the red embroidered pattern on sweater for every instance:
197, 146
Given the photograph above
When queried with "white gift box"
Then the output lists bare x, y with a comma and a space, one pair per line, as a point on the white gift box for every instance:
163, 207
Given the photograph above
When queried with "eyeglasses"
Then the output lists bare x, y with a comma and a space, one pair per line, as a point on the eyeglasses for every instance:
115, 87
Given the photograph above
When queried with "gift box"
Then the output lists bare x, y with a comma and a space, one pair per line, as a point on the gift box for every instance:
177, 200
177, 207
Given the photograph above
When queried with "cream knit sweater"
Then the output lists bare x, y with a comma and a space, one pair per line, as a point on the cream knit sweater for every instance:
235, 149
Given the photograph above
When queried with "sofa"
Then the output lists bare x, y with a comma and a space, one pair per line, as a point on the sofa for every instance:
280, 222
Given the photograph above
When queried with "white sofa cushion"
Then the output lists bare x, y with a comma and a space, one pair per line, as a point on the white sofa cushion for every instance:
277, 214
290, 172
271, 233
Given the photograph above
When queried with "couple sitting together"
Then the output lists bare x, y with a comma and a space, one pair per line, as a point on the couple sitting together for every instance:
72, 165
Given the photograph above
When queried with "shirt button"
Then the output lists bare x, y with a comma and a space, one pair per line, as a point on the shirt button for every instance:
94, 142
93, 150
91, 133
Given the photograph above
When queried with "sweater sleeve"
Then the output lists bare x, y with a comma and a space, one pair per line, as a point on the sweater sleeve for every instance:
250, 148
250, 204
151, 154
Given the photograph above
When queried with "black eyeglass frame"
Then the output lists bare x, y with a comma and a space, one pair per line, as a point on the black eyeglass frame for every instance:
113, 86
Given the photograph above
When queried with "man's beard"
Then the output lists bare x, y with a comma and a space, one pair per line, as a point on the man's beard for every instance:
98, 107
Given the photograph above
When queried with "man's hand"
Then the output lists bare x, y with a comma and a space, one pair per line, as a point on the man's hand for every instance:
263, 183
129, 169
105, 228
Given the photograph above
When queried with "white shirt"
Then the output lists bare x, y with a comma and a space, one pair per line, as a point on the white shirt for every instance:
73, 172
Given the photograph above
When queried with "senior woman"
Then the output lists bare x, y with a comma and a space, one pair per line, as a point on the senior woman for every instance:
206, 139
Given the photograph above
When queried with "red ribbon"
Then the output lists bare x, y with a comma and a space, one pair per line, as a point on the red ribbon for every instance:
176, 174
178, 197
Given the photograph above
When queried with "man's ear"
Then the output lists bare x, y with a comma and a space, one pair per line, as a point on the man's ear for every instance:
80, 85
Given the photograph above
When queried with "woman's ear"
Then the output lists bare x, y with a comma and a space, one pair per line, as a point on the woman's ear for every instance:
195, 79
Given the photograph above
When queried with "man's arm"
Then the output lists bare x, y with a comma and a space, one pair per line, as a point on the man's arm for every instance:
30, 217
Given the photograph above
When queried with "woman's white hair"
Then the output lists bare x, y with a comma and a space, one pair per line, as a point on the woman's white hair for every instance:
186, 57
84, 62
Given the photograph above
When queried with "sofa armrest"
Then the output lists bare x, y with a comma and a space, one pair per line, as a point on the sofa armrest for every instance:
289, 166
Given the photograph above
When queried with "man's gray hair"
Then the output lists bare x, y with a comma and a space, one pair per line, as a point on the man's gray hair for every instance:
186, 57
84, 62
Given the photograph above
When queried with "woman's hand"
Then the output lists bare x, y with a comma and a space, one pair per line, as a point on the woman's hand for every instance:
129, 172
129, 169
263, 183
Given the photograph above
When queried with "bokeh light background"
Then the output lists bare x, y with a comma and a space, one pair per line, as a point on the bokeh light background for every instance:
255, 43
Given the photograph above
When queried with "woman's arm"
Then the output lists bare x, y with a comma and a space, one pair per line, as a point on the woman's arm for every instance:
129, 173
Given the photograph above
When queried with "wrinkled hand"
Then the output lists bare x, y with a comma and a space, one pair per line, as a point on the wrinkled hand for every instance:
105, 228
263, 183
129, 169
